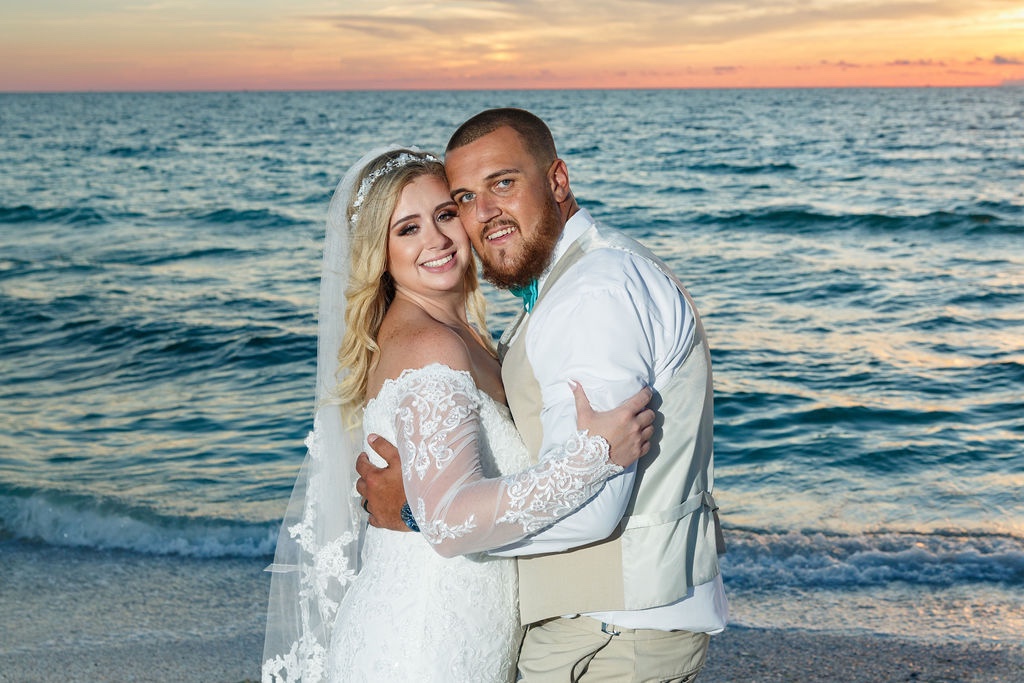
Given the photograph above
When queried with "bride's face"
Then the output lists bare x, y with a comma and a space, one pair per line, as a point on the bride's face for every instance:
428, 250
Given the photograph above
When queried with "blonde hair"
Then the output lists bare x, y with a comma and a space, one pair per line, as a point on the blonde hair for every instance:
370, 287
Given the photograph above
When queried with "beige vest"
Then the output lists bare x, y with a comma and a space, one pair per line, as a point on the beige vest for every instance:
670, 538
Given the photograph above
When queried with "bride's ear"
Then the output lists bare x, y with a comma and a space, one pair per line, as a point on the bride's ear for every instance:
558, 179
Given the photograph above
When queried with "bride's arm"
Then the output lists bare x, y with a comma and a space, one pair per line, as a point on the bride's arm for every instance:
459, 510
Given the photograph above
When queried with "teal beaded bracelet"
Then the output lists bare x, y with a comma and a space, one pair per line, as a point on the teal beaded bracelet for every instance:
407, 517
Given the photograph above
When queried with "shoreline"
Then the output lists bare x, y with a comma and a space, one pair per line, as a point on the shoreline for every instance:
737, 656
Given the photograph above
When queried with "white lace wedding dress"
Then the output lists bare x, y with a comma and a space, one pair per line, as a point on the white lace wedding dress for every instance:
412, 614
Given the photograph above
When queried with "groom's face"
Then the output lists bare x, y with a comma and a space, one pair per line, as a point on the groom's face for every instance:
507, 205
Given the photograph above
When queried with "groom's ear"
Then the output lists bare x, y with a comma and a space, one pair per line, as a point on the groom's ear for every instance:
558, 179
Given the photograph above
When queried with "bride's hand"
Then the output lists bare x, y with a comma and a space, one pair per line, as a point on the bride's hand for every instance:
627, 429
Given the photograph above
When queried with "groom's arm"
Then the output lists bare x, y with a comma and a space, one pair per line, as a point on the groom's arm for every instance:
621, 325
596, 360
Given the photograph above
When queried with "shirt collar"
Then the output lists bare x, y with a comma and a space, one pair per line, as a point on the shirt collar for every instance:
578, 223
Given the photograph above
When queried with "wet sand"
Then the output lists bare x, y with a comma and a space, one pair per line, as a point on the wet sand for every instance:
737, 656
70, 616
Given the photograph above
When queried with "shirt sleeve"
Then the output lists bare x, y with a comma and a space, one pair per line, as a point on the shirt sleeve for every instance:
460, 511
621, 325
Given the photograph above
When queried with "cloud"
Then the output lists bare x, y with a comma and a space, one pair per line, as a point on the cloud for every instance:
385, 28
842, 64
642, 23
915, 62
999, 59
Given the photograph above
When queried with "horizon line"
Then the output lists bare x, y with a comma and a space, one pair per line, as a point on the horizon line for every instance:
1006, 84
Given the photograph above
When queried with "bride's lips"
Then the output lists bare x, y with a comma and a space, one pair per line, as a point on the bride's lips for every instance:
440, 264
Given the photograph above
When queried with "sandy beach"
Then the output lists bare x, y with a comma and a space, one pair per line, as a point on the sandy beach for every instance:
82, 616
768, 656
738, 656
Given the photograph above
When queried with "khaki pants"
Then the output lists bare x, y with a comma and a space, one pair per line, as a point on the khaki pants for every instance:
563, 650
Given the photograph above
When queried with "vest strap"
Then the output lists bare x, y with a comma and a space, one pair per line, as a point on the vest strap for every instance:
702, 500
510, 334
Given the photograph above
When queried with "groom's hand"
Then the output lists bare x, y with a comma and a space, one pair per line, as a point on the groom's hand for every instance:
381, 487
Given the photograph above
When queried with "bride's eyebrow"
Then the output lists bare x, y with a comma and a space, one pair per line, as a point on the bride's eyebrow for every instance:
404, 219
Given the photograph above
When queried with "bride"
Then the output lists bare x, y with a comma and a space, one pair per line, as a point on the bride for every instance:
398, 357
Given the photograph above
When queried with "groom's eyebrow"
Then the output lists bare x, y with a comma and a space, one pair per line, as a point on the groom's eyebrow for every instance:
504, 171
489, 177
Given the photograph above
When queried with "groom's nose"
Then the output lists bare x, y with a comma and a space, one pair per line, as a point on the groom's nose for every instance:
485, 208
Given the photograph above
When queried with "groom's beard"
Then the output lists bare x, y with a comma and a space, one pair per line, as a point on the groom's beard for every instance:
534, 256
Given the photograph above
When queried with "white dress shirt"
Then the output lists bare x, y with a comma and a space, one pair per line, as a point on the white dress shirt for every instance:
614, 323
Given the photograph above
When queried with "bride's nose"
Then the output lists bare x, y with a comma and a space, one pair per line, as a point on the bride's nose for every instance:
438, 239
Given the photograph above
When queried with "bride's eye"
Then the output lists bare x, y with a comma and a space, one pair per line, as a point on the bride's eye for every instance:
408, 229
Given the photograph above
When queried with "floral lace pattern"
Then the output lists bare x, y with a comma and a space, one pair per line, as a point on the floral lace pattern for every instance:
458, 509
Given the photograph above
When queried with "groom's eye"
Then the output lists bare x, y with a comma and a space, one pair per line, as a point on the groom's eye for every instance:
465, 198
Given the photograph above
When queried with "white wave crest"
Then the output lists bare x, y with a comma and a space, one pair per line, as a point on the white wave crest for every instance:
818, 559
103, 526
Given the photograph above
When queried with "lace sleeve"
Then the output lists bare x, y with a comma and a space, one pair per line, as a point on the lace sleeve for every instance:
457, 508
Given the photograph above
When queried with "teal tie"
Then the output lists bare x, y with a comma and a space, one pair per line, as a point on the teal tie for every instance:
527, 293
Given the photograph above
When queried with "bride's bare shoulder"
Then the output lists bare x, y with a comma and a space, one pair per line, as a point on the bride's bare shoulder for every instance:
414, 340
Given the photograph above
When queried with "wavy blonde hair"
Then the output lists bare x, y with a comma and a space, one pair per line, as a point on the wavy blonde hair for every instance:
370, 287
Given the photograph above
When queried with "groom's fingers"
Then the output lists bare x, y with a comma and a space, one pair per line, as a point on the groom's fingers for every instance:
386, 450
364, 467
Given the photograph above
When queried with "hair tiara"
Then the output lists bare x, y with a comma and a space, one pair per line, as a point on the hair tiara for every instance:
403, 159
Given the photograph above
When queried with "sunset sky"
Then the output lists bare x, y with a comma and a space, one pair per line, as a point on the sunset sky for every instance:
58, 45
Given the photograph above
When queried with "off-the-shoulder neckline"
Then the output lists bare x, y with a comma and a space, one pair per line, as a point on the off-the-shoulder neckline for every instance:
434, 367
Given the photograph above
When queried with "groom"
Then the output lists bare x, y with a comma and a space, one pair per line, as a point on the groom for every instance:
628, 586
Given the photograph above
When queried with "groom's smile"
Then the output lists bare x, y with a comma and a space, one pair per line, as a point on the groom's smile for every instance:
500, 232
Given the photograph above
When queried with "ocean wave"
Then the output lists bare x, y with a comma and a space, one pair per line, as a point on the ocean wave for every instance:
63, 520
804, 220
583, 151
251, 218
769, 561
79, 216
998, 207
91, 337
743, 169
144, 258
142, 151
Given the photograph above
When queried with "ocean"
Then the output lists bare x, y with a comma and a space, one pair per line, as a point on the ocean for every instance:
857, 256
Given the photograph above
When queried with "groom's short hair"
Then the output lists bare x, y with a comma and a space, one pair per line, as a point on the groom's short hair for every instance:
534, 133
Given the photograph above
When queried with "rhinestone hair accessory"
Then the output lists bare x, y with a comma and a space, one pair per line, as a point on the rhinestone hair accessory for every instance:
403, 159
